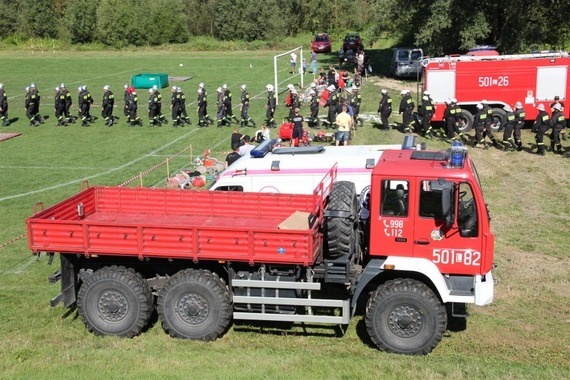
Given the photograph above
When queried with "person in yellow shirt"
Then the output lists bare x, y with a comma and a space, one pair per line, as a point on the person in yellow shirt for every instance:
344, 123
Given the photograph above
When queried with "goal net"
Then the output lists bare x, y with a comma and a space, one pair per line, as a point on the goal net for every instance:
283, 70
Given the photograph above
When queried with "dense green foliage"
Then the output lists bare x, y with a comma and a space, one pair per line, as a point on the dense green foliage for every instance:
440, 26
450, 26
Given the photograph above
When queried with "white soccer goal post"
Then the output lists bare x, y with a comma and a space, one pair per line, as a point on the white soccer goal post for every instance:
283, 67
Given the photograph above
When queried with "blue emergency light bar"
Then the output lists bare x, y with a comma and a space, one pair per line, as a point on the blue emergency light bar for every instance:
457, 155
262, 149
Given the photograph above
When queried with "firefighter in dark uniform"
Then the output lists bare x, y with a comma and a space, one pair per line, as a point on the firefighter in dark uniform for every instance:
508, 126
161, 117
407, 109
558, 123
30, 106
426, 112
489, 123
244, 107
107, 105
314, 107
221, 107
153, 107
385, 109
84, 99
480, 123
36, 94
520, 116
450, 121
59, 106
205, 100
297, 133
294, 104
201, 109
183, 114
270, 106
4, 106
228, 105
132, 108
175, 107
126, 97
354, 100
557, 101
332, 104
67, 104
459, 135
540, 126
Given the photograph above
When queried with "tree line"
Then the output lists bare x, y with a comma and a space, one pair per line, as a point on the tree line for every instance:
439, 26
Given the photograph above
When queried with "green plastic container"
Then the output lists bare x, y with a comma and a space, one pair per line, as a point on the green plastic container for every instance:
149, 80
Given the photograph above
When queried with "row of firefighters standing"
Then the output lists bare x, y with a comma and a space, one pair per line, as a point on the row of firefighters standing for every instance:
511, 124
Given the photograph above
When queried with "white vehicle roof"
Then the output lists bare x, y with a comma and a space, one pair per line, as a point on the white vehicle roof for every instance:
299, 170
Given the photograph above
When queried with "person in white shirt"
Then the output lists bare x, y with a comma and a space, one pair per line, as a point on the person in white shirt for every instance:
293, 62
246, 147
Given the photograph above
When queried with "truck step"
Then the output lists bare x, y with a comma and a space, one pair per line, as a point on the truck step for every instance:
337, 271
344, 305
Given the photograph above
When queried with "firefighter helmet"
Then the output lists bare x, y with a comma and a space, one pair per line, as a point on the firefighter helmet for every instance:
384, 91
557, 107
518, 105
479, 106
507, 108
243, 87
540, 107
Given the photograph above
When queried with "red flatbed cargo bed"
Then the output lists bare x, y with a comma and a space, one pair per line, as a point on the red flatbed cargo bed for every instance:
181, 224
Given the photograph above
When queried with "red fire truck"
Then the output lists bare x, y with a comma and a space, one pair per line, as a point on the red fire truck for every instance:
419, 249
531, 79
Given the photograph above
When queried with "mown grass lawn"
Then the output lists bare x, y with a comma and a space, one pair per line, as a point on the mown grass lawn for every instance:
525, 333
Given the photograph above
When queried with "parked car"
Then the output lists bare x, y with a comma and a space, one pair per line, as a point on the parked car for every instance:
406, 62
322, 43
352, 41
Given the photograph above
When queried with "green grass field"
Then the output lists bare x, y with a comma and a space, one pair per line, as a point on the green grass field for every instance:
525, 333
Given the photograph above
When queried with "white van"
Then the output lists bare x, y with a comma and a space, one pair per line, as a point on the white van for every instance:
299, 170
406, 62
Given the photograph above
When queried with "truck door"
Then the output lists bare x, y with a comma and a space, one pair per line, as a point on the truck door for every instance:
551, 82
393, 233
455, 246
441, 84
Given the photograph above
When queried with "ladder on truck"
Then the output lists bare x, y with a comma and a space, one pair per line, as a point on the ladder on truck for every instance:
471, 58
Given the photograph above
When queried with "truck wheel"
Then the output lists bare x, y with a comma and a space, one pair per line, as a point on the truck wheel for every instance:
465, 121
404, 316
115, 301
498, 117
340, 232
195, 304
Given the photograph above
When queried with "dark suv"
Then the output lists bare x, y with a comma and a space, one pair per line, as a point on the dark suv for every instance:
352, 41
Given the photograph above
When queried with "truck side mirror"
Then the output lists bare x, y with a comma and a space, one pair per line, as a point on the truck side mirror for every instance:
445, 189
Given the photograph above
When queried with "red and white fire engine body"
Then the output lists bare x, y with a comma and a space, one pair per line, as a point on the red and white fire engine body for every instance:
531, 79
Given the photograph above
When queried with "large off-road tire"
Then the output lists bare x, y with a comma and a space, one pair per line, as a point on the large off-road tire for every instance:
404, 316
339, 231
195, 304
465, 121
498, 117
115, 301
